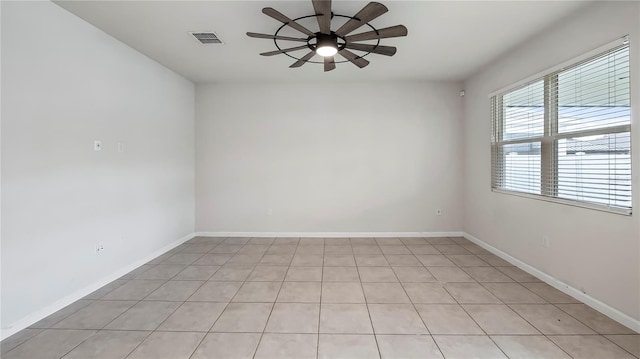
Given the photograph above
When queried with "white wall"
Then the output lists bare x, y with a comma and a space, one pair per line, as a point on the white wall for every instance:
339, 157
594, 251
64, 85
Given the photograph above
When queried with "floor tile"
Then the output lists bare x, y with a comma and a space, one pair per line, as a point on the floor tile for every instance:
367, 249
226, 248
337, 249
467, 260
513, 293
162, 271
50, 343
384, 293
470, 293
396, 319
243, 318
494, 260
308, 260
227, 346
590, 347
95, 315
413, 241
340, 274
413, 274
310, 249
255, 292
427, 293
311, 242
518, 275
198, 248
282, 249
287, 346
193, 317
276, 259
594, 319
175, 290
465, 347
294, 318
182, 258
450, 275
377, 274
174, 345
261, 240
236, 240
341, 346
54, 318
549, 293
371, 242
345, 319
395, 249
408, 347
630, 343
339, 260
232, 273
268, 274
451, 249
106, 289
304, 274
440, 240
529, 347
435, 260
300, 292
371, 260
245, 259
286, 241
487, 275
17, 339
213, 259
254, 248
403, 260
107, 344
134, 290
423, 249
144, 316
447, 319
499, 319
474, 248
342, 292
196, 273
389, 242
215, 292
550, 320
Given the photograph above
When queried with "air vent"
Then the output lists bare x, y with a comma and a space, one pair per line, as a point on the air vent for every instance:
206, 37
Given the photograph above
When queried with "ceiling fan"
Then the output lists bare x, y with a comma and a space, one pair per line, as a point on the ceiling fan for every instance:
326, 42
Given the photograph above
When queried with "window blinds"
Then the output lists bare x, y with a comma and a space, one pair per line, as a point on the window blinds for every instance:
567, 135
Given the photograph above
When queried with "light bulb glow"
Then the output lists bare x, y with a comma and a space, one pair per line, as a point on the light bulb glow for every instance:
326, 51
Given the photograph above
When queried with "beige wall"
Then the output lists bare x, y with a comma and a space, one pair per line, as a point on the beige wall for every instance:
596, 252
340, 157
64, 85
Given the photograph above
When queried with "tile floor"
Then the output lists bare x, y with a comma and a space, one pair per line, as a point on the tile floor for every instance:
325, 298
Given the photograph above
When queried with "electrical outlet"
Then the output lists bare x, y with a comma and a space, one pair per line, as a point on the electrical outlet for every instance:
438, 212
99, 248
97, 145
546, 242
269, 211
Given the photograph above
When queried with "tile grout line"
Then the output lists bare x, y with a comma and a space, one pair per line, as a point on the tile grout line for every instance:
366, 302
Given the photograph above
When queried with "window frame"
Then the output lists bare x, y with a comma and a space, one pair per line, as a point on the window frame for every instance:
548, 140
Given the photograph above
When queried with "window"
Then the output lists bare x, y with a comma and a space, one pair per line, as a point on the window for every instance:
566, 136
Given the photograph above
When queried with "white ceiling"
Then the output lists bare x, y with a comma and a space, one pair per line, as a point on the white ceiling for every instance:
448, 40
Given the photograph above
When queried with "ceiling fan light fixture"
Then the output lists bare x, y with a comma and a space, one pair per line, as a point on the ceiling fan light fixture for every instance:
326, 45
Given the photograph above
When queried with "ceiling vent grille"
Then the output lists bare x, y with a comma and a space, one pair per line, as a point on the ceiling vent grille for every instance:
206, 37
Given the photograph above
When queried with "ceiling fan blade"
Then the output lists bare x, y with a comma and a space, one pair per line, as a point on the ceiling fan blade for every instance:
393, 31
379, 49
276, 37
303, 60
329, 63
269, 11
324, 21
355, 59
368, 13
282, 51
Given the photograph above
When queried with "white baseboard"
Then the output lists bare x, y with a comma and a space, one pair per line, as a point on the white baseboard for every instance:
603, 308
330, 234
50, 309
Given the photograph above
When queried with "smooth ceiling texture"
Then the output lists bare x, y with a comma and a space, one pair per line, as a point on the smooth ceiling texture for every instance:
448, 40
